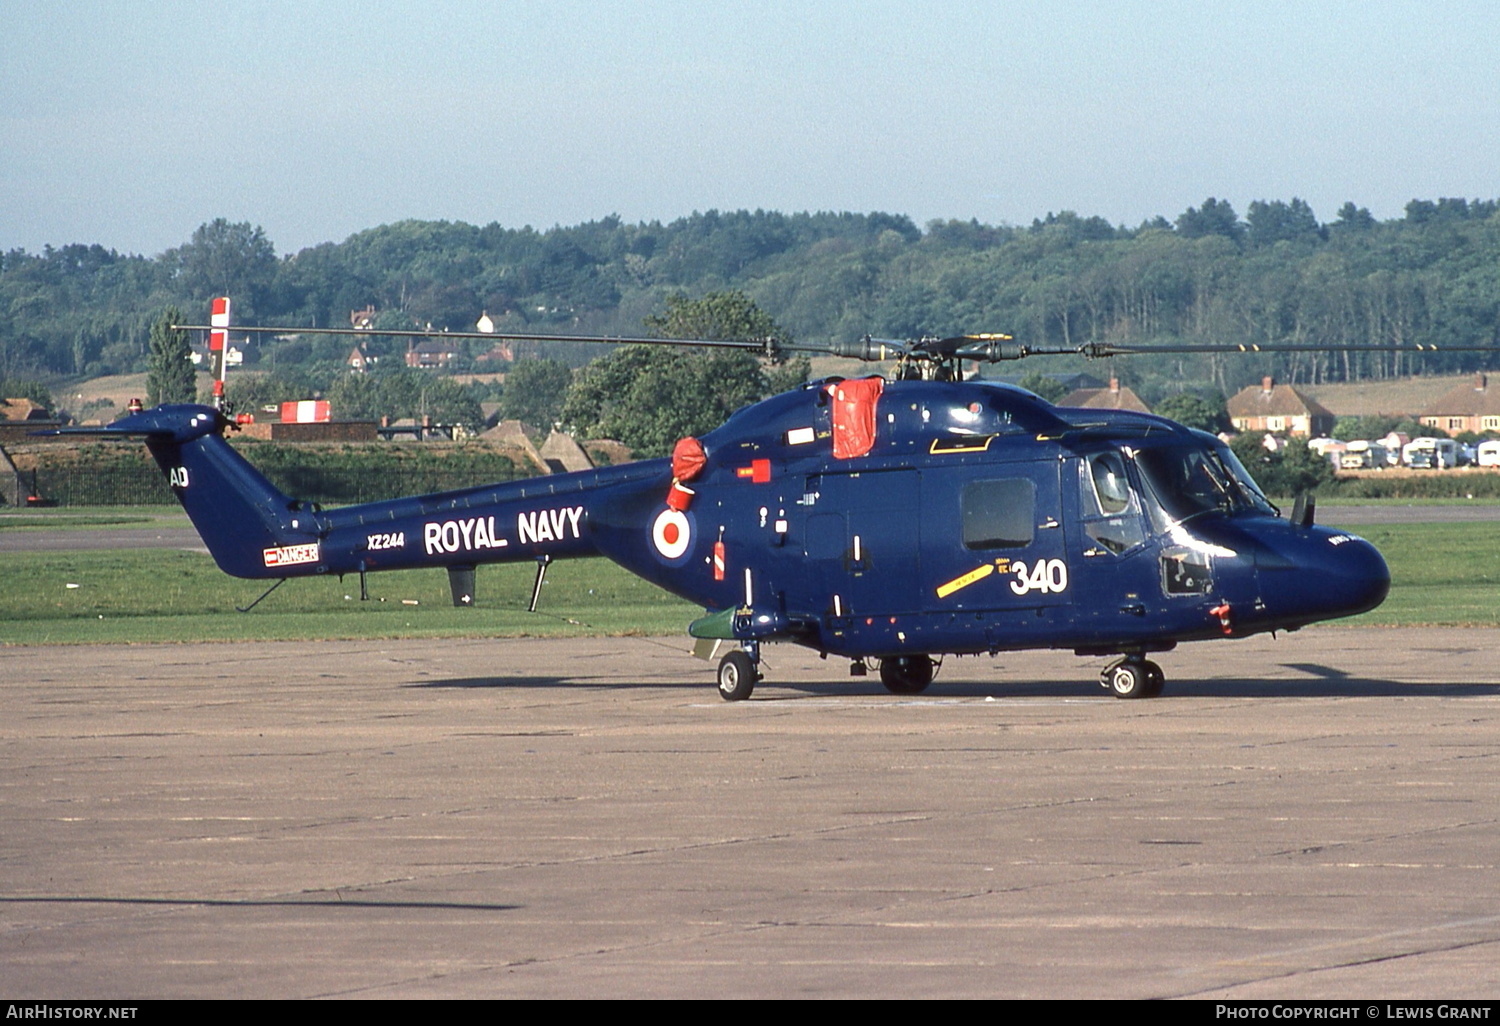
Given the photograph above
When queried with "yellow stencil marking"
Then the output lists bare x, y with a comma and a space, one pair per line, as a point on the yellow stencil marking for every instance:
979, 574
950, 445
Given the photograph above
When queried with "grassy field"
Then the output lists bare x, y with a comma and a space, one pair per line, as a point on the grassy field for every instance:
79, 517
164, 595
1441, 574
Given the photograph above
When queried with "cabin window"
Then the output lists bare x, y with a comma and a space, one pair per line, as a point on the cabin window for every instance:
999, 514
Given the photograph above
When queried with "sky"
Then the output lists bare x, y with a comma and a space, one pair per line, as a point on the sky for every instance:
130, 123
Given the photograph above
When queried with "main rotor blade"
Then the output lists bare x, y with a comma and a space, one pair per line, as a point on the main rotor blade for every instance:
507, 336
1096, 350
867, 348
982, 348
991, 352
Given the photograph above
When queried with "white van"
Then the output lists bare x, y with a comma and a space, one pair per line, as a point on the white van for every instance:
1363, 456
1430, 453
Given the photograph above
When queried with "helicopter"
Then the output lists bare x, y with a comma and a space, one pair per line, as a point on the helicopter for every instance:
891, 521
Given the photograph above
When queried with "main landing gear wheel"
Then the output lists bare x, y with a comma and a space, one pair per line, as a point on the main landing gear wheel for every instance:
1133, 678
906, 675
737, 676
1155, 680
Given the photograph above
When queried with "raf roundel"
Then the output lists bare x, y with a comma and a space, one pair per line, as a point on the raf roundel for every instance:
672, 533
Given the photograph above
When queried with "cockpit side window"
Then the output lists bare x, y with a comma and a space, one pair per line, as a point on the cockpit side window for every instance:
1111, 514
1111, 488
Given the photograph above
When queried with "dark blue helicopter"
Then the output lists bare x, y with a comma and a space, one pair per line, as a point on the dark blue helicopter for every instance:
888, 520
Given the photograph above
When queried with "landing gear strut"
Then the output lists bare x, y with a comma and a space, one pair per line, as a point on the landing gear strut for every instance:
738, 672
1131, 676
906, 675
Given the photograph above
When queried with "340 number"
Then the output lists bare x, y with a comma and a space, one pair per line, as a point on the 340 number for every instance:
1045, 575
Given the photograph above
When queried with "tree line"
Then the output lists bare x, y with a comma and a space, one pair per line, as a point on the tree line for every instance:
1210, 275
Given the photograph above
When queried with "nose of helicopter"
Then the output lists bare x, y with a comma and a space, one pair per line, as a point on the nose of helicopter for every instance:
1359, 577
1332, 574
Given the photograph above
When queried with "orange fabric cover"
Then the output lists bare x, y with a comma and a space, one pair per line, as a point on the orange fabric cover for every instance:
688, 458
854, 404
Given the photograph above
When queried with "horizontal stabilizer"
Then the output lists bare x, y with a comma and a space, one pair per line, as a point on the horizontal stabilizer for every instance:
177, 423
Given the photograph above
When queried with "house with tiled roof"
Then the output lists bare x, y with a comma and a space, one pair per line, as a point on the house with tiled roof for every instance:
1278, 409
1469, 407
500, 352
360, 360
20, 419
429, 354
1114, 397
22, 409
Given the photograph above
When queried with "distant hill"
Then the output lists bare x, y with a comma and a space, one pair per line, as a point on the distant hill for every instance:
1277, 275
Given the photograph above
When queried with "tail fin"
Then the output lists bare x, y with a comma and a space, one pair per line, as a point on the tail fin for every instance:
250, 527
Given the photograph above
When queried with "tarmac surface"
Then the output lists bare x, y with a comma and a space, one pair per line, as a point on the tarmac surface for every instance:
163, 529
1312, 816
1385, 513
85, 539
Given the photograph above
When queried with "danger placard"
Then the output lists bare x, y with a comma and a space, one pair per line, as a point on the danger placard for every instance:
292, 554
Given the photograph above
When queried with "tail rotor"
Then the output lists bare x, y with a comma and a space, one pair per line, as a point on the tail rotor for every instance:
218, 346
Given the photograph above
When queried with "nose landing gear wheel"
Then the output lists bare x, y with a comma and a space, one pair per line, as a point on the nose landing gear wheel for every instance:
737, 677
906, 675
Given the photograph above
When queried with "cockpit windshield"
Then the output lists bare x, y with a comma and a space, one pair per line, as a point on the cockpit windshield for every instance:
1189, 480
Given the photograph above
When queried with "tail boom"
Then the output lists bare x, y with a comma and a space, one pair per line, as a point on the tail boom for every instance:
253, 530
